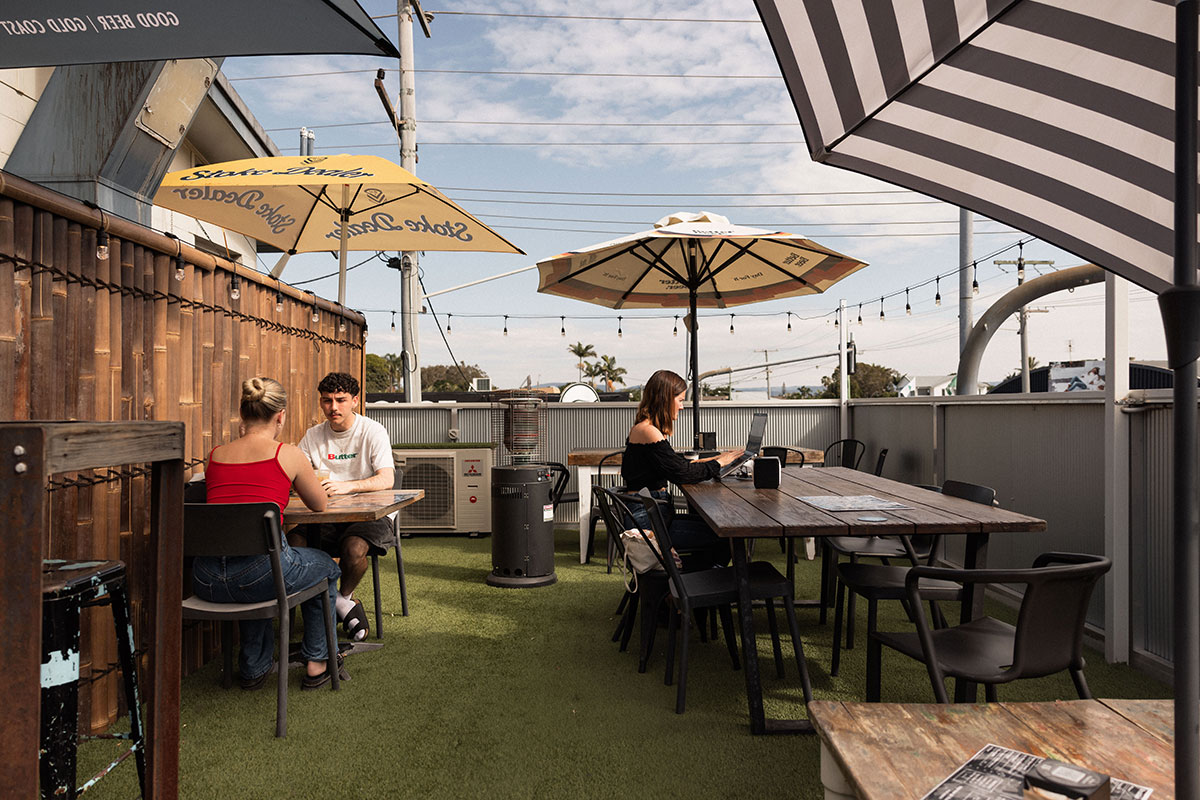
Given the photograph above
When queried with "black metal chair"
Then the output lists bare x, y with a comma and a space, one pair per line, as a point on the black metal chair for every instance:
877, 582
845, 453
781, 453
648, 589
375, 552
1047, 638
879, 461
594, 515
717, 588
251, 529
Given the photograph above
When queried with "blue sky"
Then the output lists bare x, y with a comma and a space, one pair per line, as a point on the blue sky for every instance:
610, 156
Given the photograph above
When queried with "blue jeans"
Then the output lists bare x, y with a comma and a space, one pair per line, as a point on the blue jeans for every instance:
698, 546
248, 579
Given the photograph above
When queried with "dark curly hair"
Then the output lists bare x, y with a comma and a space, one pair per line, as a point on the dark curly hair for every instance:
336, 382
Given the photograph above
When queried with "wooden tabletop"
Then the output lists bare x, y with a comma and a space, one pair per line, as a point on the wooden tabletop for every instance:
895, 751
734, 508
590, 456
362, 507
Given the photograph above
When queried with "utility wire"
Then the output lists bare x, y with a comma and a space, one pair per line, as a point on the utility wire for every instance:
551, 124
510, 73
438, 325
575, 17
351, 146
677, 194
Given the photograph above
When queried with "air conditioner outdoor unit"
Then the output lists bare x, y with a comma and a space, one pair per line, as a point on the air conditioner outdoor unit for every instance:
458, 490
481, 384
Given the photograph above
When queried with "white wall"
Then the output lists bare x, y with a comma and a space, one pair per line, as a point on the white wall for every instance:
19, 93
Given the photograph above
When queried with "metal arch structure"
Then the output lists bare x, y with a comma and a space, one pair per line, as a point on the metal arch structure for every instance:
1006, 306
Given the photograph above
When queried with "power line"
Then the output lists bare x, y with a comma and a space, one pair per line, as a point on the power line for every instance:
578, 17
677, 194
714, 205
815, 235
549, 123
349, 146
750, 224
511, 73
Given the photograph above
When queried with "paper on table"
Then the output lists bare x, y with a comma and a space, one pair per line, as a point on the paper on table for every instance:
850, 502
998, 773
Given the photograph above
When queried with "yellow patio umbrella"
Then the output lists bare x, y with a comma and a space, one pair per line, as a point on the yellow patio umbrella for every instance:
307, 204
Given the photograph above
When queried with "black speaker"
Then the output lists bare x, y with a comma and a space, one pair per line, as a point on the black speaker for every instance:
766, 472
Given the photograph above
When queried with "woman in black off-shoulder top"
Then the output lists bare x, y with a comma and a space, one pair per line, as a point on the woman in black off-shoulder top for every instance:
649, 462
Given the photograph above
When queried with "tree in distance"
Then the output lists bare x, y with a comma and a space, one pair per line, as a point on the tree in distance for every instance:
610, 372
868, 380
581, 352
385, 374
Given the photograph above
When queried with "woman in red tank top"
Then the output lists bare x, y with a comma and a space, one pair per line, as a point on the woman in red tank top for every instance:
257, 468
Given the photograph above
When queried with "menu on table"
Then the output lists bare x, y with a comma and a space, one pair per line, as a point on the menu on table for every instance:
850, 502
997, 773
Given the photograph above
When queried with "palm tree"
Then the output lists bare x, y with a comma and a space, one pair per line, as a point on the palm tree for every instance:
610, 372
592, 370
581, 351
395, 365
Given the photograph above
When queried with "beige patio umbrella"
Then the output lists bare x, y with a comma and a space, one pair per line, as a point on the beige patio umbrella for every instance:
306, 204
695, 259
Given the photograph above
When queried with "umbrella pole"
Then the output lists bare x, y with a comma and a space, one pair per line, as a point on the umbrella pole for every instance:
343, 246
1180, 307
695, 372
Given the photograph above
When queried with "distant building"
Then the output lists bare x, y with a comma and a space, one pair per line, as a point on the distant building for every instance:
927, 385
1142, 375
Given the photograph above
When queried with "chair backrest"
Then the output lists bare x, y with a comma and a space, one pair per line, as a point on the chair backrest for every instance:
879, 461
984, 495
662, 535
236, 529
613, 514
1053, 611
782, 454
845, 453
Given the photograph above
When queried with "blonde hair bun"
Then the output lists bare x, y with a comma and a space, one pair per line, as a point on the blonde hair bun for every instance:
262, 398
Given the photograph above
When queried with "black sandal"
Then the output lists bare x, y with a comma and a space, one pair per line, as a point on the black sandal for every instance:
323, 677
355, 623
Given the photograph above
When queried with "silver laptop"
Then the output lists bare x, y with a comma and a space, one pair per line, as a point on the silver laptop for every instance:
758, 426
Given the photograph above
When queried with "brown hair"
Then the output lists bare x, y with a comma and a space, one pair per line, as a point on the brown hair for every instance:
262, 398
658, 398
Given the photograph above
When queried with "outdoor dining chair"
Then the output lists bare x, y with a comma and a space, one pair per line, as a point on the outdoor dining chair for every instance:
883, 581
845, 453
776, 451
594, 515
251, 529
1047, 638
717, 588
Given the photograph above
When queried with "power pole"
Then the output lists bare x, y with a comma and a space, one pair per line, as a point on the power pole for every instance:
966, 300
409, 294
1020, 264
767, 359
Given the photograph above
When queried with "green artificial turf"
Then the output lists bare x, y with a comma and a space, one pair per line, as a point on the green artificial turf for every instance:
488, 692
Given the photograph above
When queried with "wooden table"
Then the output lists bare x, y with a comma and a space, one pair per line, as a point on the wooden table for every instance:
363, 507
737, 511
892, 751
587, 467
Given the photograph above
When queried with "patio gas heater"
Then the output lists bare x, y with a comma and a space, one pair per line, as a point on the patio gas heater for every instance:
524, 491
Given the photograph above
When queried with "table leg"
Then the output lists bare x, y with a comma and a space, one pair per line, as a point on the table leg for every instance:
583, 477
974, 557
758, 722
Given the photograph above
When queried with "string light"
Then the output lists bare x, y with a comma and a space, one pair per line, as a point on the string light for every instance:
278, 302
342, 325
506, 324
835, 322
675, 332
937, 298
235, 288
789, 321
974, 278
731, 324
562, 321
860, 313
316, 314
907, 307
881, 309
102, 246
448, 316
179, 271
618, 327
1020, 263
393, 322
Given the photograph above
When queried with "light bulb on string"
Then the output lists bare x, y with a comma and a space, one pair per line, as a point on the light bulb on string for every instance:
881, 309
860, 313
506, 324
102, 246
278, 302
937, 298
907, 307
235, 288
562, 321
974, 278
619, 327
675, 332
179, 268
448, 316
342, 325
731, 324
1020, 263
789, 322
316, 314
835, 322
393, 322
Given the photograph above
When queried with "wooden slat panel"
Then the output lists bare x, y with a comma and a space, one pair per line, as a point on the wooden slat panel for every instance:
22, 246
41, 322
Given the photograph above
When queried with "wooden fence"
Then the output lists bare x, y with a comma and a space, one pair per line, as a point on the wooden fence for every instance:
150, 333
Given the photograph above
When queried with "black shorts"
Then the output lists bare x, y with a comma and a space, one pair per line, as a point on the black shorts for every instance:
328, 536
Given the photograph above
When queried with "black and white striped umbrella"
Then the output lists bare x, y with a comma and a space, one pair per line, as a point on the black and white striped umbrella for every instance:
1055, 117
1059, 117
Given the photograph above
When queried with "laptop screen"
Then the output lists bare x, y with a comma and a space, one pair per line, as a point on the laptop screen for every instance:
758, 427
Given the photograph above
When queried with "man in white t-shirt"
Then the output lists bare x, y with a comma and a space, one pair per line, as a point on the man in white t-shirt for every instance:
357, 453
